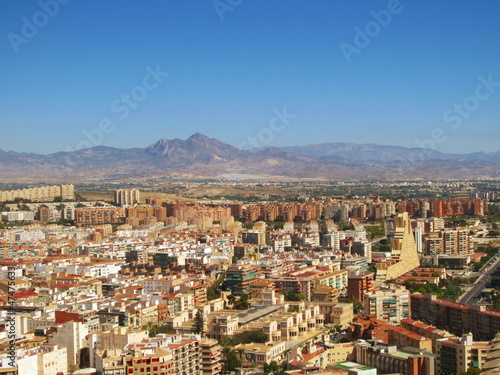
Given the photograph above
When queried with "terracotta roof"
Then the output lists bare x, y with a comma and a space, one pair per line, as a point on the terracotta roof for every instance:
24, 294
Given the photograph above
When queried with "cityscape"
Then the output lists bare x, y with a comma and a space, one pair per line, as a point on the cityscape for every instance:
238, 187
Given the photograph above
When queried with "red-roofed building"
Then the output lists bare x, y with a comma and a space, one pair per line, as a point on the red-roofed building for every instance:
454, 317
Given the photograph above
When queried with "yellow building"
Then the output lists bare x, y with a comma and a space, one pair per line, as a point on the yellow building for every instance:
404, 255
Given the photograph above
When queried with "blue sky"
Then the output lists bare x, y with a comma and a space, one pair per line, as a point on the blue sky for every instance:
232, 68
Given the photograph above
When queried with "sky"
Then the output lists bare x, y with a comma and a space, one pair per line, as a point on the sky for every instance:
251, 73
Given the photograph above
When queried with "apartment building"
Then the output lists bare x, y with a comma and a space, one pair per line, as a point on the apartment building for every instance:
95, 216
73, 336
44, 193
239, 278
221, 325
211, 357
278, 241
187, 356
154, 361
143, 213
359, 283
45, 359
390, 303
388, 359
456, 355
455, 318
126, 197
337, 280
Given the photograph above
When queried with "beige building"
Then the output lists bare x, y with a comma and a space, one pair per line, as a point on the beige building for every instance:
46, 359
261, 353
151, 361
38, 194
73, 336
126, 197
211, 359
114, 337
342, 314
333, 353
96, 215
404, 255
456, 355
391, 303
221, 325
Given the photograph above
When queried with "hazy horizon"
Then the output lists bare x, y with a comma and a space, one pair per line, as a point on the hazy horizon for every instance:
126, 74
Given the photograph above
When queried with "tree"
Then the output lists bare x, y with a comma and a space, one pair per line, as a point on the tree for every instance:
240, 351
198, 323
152, 329
212, 290
291, 296
342, 225
232, 361
242, 303
471, 371
272, 368
225, 353
356, 304
231, 298
245, 337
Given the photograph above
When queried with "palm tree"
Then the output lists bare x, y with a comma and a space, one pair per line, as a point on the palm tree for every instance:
241, 351
231, 298
225, 353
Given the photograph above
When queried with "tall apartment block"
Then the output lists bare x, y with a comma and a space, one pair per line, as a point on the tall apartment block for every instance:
126, 197
239, 278
391, 303
211, 358
359, 283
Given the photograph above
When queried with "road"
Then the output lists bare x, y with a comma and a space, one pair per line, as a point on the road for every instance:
470, 296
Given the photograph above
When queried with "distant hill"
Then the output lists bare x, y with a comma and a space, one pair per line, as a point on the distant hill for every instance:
200, 156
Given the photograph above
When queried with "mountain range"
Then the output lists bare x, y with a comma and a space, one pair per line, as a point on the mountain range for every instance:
200, 157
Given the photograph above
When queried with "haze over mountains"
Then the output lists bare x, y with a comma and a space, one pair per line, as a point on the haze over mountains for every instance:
200, 156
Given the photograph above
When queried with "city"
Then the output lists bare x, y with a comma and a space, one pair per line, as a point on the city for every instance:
300, 285
232, 187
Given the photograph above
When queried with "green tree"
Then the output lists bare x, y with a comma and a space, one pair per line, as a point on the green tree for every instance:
232, 361
272, 368
357, 305
245, 337
213, 290
240, 351
198, 323
225, 354
342, 225
242, 303
495, 299
292, 296
471, 371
